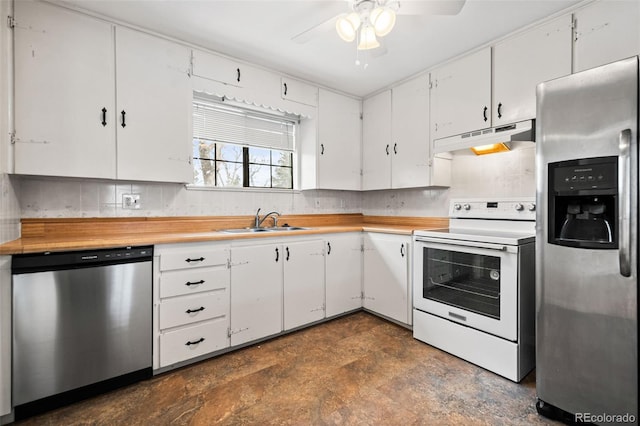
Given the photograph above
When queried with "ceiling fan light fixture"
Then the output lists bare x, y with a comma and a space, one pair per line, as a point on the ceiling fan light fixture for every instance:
368, 38
347, 26
383, 19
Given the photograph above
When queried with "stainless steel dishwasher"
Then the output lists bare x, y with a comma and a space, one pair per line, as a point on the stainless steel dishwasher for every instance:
82, 324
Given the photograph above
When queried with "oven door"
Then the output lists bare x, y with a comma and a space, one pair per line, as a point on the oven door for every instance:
471, 283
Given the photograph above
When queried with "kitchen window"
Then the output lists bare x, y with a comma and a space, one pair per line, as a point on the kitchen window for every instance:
234, 146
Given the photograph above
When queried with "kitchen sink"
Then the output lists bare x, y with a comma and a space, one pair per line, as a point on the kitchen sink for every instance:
272, 229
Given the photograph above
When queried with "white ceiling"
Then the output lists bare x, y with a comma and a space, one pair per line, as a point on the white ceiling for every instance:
260, 31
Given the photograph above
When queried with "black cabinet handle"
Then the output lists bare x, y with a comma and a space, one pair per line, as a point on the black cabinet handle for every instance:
238, 71
200, 259
500, 110
402, 250
104, 117
123, 113
194, 283
395, 148
277, 254
285, 89
484, 113
329, 247
200, 340
387, 149
321, 149
192, 311
287, 249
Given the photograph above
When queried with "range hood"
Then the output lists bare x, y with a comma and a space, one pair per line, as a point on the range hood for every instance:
510, 135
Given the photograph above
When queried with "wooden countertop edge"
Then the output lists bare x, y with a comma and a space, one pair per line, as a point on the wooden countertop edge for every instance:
84, 242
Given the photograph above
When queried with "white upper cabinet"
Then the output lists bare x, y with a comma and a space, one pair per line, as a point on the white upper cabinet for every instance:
376, 141
410, 133
297, 91
606, 31
154, 108
523, 61
461, 95
339, 142
67, 82
64, 73
221, 69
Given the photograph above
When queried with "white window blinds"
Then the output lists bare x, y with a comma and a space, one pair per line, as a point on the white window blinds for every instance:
229, 124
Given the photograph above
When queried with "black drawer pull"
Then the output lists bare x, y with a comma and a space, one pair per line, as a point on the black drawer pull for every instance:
200, 340
123, 113
194, 283
200, 259
104, 117
193, 311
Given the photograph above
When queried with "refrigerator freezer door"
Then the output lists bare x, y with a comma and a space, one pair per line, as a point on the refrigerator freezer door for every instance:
586, 299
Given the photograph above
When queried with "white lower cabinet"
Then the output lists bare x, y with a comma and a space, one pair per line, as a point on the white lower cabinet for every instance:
343, 273
304, 276
386, 276
191, 301
256, 292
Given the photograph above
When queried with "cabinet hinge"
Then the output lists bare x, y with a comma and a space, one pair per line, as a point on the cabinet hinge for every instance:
361, 116
362, 248
229, 332
574, 28
361, 172
12, 138
430, 85
11, 22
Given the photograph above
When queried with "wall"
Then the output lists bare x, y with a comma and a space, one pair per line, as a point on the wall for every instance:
42, 197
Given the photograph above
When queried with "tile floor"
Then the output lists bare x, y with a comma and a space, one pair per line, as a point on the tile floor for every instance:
355, 370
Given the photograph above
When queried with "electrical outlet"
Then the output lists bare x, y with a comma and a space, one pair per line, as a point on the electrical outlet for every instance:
131, 201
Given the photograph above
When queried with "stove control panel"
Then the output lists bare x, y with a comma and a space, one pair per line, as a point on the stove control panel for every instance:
511, 209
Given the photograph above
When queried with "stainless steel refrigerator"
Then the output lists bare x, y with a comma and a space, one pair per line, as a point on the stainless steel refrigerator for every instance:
587, 239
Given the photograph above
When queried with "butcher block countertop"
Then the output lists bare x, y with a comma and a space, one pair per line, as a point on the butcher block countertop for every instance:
43, 235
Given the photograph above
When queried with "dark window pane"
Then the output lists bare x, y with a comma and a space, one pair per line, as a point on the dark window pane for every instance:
259, 156
282, 177
259, 176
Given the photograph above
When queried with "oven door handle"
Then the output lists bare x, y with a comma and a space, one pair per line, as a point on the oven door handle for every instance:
472, 244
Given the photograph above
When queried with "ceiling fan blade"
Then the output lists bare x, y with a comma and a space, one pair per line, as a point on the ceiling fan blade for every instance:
430, 7
315, 31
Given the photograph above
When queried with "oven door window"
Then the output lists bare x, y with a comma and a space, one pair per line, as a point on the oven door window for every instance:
465, 280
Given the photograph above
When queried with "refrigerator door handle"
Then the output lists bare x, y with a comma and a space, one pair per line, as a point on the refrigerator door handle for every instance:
624, 202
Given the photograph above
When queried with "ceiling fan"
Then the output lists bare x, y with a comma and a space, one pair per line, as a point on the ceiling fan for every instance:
366, 20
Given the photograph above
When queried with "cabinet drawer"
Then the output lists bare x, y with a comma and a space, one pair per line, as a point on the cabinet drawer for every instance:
178, 283
180, 345
192, 258
190, 309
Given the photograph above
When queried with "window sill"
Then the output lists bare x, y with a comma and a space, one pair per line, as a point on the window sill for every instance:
192, 187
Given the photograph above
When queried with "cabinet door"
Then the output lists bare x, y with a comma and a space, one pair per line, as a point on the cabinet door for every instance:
343, 273
220, 69
256, 292
297, 91
154, 94
339, 134
410, 122
64, 73
461, 95
303, 283
376, 141
386, 276
606, 31
523, 61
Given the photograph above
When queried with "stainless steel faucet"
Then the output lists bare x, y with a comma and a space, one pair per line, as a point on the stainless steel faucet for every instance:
274, 215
